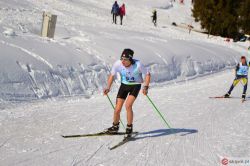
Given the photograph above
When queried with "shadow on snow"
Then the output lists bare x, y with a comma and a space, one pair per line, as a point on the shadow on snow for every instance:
164, 132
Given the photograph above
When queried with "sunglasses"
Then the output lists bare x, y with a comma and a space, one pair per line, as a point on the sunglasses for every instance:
124, 59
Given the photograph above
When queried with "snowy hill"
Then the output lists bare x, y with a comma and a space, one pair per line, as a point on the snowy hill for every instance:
86, 44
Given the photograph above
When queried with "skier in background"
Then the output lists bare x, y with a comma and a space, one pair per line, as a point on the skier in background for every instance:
133, 74
115, 11
241, 72
154, 17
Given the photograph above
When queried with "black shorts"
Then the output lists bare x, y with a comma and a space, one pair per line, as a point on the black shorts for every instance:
124, 90
240, 77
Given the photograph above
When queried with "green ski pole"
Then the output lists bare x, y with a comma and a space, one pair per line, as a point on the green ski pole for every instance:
159, 113
114, 109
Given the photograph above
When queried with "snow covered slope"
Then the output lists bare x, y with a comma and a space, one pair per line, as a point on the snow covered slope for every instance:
86, 44
204, 130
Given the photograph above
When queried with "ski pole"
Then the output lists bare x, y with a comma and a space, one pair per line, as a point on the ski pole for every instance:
159, 113
114, 109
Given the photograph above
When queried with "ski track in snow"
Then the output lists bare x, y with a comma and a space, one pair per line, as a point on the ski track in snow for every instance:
203, 129
39, 58
4, 142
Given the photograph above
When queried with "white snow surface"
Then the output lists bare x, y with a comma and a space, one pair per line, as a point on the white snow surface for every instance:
203, 130
86, 44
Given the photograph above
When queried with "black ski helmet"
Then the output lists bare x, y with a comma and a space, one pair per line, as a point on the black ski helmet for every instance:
242, 57
128, 53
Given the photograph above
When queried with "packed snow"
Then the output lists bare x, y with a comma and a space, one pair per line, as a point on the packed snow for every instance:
204, 130
86, 44
53, 87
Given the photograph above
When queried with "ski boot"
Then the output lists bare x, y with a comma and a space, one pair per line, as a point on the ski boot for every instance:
129, 131
227, 95
114, 129
243, 97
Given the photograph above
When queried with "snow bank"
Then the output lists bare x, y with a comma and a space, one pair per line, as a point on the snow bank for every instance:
78, 60
9, 32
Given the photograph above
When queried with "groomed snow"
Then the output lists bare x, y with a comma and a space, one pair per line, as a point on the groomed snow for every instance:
204, 130
86, 45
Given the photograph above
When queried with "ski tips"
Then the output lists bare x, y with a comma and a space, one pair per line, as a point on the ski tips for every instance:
66, 136
125, 140
216, 97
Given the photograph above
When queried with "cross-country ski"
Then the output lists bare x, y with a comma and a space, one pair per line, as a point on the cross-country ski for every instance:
125, 140
104, 133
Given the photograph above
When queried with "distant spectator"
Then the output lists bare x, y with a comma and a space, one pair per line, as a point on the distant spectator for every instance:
154, 17
174, 24
227, 39
122, 12
115, 11
190, 27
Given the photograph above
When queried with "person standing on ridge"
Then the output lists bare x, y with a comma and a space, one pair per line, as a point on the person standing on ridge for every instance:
133, 74
241, 75
122, 12
154, 17
115, 11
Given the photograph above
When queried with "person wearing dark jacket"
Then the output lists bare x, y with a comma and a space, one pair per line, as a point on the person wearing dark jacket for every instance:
115, 11
154, 17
